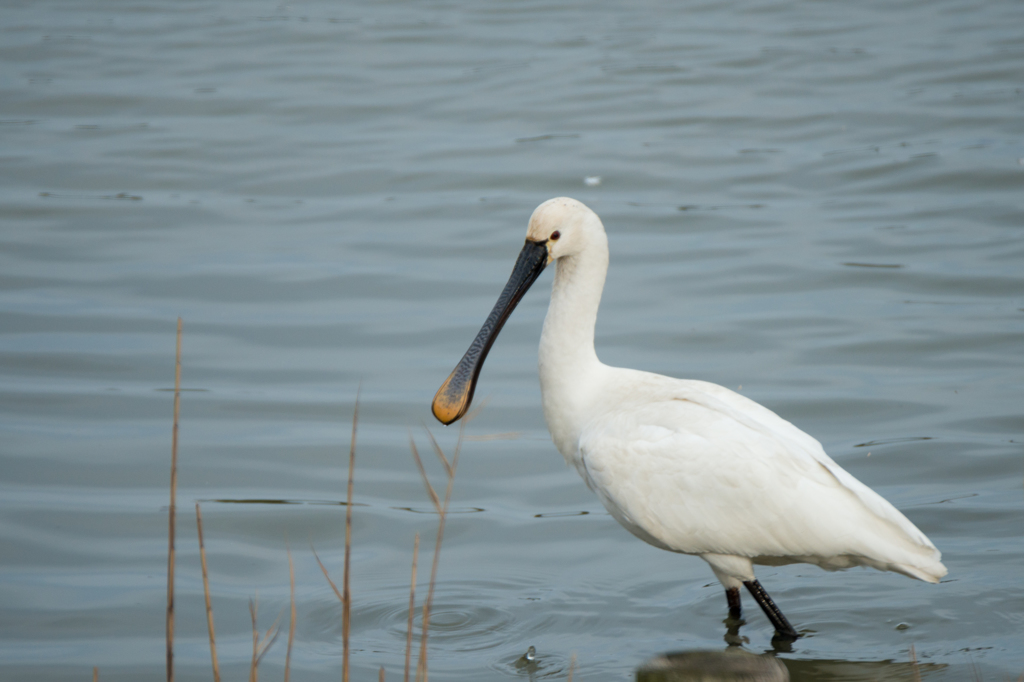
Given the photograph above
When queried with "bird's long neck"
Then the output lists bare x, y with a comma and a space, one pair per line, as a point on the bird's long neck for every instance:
568, 362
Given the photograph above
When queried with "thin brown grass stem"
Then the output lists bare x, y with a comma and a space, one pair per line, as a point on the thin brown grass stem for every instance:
439, 452
95, 674
421, 670
173, 507
380, 675
346, 602
327, 575
572, 667
442, 511
913, 664
291, 623
423, 473
260, 647
268, 639
412, 605
206, 595
253, 675
475, 412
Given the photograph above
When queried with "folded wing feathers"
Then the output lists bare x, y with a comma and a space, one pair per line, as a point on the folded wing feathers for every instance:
708, 470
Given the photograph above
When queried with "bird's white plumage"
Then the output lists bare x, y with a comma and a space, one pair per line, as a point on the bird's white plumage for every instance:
690, 466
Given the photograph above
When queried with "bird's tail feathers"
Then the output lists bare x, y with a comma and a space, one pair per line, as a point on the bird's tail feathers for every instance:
931, 574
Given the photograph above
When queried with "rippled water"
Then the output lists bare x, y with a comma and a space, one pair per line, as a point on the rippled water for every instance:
818, 203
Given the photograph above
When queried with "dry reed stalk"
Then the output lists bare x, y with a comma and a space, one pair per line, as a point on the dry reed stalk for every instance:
346, 602
260, 647
327, 575
268, 640
253, 675
206, 594
291, 624
173, 509
423, 474
425, 617
380, 675
337, 593
95, 674
442, 513
913, 664
345, 595
412, 605
572, 667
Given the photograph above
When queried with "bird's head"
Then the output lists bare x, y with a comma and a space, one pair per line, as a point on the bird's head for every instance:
564, 226
559, 228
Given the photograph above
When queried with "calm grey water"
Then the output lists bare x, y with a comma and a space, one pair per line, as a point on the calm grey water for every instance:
820, 204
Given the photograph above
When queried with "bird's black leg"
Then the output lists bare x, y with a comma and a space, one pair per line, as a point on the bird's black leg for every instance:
782, 625
732, 595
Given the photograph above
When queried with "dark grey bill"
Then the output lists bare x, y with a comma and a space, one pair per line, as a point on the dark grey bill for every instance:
456, 393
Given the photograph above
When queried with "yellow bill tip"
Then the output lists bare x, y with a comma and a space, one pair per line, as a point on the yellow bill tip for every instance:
450, 402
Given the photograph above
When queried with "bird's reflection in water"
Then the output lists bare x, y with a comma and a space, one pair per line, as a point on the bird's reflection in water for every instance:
781, 644
732, 632
734, 664
859, 671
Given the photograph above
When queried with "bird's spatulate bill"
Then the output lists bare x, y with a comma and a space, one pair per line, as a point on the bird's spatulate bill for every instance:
452, 400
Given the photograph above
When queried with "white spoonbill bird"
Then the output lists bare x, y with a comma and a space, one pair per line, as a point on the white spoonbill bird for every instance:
685, 465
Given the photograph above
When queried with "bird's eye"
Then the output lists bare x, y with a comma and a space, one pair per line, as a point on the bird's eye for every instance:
555, 235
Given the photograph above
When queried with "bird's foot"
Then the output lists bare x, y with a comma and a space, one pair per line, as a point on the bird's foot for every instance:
783, 644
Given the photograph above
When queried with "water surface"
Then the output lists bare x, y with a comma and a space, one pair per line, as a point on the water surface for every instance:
818, 204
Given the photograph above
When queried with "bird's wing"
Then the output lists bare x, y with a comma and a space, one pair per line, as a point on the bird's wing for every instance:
705, 470
797, 443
